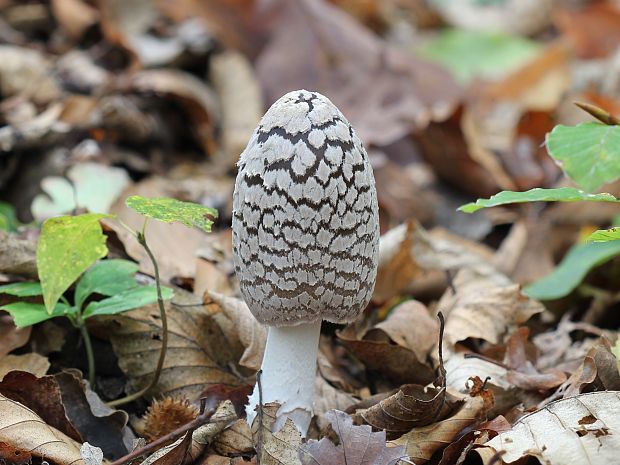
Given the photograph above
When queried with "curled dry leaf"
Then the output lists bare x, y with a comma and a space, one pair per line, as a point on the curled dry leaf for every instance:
582, 429
24, 430
202, 347
250, 332
317, 46
485, 306
280, 447
421, 443
237, 439
39, 131
411, 407
358, 445
399, 364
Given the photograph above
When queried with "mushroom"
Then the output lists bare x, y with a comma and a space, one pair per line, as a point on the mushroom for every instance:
305, 240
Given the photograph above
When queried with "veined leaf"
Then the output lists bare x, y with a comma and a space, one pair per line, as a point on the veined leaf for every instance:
26, 313
108, 277
21, 289
560, 194
172, 210
570, 272
128, 300
589, 153
68, 246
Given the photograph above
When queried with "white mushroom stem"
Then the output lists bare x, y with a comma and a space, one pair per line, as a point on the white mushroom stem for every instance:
289, 370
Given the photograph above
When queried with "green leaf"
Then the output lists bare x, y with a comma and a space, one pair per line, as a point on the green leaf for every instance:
68, 246
128, 300
576, 264
8, 219
21, 289
560, 194
604, 235
471, 54
26, 314
589, 153
108, 277
172, 210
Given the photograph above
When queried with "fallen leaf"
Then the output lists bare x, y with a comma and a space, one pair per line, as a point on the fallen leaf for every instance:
91, 455
326, 398
398, 364
200, 352
581, 429
421, 443
357, 445
23, 429
17, 256
280, 447
485, 306
74, 16
11, 337
411, 407
30, 363
42, 396
234, 440
317, 46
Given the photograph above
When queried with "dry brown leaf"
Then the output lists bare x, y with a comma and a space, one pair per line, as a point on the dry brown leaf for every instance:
17, 256
357, 445
581, 429
23, 429
237, 439
203, 347
241, 101
485, 306
280, 447
11, 337
326, 398
317, 46
43, 397
410, 325
398, 364
250, 332
423, 442
411, 407
30, 363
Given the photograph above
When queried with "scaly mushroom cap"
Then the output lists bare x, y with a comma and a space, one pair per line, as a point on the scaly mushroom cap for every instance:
305, 216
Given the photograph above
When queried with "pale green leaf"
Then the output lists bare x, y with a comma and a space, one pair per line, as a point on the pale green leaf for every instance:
21, 289
128, 300
560, 194
573, 269
8, 220
471, 54
68, 246
26, 314
108, 277
172, 210
604, 235
589, 153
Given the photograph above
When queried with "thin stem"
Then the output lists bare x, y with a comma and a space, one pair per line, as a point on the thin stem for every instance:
164, 328
90, 356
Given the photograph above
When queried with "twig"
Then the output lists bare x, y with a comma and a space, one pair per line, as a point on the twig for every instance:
602, 115
151, 447
164, 329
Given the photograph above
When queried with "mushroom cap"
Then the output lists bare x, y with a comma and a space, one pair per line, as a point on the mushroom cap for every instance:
305, 216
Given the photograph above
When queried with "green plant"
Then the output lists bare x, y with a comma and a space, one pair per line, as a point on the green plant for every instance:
68, 252
589, 154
